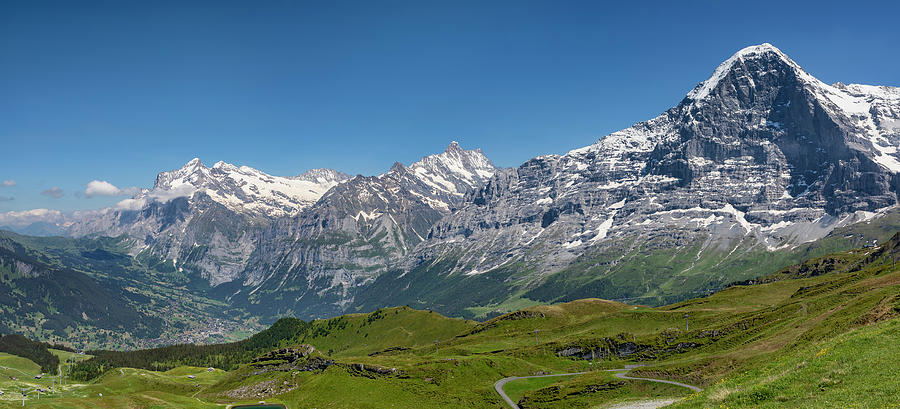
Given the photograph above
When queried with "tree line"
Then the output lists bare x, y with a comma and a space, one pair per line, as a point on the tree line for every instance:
38, 352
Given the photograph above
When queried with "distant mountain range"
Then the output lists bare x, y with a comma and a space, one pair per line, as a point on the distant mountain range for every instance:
755, 168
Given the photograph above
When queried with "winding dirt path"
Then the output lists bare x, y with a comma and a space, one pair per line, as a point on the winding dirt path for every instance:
498, 386
620, 373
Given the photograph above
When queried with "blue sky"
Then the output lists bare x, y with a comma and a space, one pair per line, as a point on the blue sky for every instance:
118, 91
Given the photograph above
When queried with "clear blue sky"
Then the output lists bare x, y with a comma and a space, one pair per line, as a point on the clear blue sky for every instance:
119, 91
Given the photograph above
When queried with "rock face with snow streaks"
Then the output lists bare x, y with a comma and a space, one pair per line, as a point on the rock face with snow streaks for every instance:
355, 232
207, 219
759, 157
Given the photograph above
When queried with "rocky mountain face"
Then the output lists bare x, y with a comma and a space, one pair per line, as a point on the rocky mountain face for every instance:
760, 157
208, 218
317, 260
741, 177
300, 245
761, 148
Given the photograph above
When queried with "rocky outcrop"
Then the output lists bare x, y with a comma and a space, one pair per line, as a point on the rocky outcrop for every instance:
290, 355
300, 358
371, 371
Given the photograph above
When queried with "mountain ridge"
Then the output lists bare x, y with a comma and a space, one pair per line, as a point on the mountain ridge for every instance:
759, 160
759, 157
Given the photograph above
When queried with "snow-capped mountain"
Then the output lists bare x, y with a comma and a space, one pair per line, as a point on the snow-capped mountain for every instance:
243, 189
759, 157
208, 217
452, 173
758, 160
359, 229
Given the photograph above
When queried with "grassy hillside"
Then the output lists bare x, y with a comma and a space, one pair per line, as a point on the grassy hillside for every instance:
858, 369
740, 327
348, 335
35, 351
399, 327
821, 333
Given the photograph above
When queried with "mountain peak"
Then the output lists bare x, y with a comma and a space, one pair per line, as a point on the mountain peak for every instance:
758, 74
193, 163
762, 52
453, 147
454, 171
189, 174
758, 49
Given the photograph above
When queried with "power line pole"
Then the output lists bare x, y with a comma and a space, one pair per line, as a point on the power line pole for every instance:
686, 322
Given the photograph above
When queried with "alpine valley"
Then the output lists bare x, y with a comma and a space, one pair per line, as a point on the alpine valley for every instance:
759, 167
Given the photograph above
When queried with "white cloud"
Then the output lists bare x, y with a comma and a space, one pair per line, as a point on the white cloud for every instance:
176, 192
8, 183
131, 204
140, 196
101, 188
161, 196
26, 217
104, 188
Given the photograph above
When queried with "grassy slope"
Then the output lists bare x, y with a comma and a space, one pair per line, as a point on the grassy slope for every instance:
858, 369
66, 355
822, 299
24, 371
769, 320
361, 334
11, 365
743, 334
127, 388
349, 335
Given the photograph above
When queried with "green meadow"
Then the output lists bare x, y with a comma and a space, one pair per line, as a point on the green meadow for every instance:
822, 333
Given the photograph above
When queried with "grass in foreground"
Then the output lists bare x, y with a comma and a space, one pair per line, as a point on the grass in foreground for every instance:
859, 369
